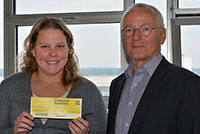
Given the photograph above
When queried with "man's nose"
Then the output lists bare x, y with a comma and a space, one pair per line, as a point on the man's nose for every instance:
136, 35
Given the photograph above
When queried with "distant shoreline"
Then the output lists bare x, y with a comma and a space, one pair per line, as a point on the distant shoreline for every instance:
103, 71
92, 71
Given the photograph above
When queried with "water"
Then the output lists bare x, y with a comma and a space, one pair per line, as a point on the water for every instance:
1, 72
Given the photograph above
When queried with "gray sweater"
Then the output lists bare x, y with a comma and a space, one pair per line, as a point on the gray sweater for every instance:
15, 95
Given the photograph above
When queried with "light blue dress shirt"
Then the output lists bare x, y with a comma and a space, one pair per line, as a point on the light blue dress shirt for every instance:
132, 91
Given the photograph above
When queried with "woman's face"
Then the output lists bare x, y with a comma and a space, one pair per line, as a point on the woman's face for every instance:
51, 52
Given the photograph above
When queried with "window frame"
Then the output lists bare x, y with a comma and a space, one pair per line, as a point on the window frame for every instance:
175, 18
176, 35
183, 16
11, 21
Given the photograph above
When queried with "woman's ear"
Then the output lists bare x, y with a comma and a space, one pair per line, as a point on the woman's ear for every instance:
33, 52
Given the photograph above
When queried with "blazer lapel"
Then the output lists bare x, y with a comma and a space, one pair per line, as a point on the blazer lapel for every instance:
115, 94
118, 90
150, 94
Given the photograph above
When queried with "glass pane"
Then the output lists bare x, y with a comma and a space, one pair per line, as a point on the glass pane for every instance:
98, 49
161, 5
1, 42
190, 47
189, 4
67, 6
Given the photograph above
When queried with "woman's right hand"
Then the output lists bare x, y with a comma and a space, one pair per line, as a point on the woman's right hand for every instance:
23, 123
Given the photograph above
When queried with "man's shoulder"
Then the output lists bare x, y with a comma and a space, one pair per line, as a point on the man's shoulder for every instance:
120, 77
183, 72
177, 71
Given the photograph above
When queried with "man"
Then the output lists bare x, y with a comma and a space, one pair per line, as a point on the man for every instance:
152, 96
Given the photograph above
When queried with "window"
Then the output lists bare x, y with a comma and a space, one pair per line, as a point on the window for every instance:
1, 42
98, 51
189, 3
162, 7
190, 47
67, 6
185, 28
94, 24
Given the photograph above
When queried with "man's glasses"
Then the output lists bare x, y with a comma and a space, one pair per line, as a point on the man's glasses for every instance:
144, 30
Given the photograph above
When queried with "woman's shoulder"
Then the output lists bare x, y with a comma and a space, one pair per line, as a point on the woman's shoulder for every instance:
14, 78
86, 82
85, 85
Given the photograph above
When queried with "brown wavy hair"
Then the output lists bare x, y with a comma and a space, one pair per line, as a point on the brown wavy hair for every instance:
29, 64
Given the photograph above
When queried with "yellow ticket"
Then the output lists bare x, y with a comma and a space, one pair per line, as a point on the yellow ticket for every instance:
61, 108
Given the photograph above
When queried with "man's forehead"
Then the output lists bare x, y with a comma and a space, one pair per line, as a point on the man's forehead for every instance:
140, 11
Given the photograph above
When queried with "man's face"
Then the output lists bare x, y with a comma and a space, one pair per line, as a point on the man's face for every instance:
142, 48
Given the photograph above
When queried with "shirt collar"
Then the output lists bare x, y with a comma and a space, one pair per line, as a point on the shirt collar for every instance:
149, 66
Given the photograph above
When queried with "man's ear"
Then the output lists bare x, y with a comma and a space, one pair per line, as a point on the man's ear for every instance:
163, 36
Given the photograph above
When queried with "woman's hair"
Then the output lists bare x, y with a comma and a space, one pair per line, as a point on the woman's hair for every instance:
29, 64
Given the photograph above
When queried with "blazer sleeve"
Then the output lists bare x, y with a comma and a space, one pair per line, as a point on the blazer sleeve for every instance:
188, 121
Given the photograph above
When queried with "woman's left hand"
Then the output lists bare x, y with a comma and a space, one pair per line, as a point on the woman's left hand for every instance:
79, 126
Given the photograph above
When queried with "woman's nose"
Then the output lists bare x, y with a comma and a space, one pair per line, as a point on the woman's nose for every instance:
52, 52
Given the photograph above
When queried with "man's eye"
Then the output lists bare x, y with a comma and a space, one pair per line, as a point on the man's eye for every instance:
145, 29
128, 30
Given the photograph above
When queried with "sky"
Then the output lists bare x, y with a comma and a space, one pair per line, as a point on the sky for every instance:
93, 46
91, 40
23, 6
190, 42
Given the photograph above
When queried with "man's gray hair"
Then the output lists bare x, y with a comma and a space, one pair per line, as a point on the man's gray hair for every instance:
151, 8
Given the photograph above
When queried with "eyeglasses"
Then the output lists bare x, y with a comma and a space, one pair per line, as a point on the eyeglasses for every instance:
144, 30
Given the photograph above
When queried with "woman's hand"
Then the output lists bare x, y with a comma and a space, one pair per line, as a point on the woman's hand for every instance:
79, 126
23, 123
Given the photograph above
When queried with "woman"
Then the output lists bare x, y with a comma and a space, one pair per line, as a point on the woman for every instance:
49, 69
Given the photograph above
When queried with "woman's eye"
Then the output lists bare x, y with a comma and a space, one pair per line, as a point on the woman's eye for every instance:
44, 46
60, 46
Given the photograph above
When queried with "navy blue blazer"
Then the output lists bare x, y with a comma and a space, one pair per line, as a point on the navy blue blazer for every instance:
170, 103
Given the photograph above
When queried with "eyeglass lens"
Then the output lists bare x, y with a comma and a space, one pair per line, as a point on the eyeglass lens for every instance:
144, 30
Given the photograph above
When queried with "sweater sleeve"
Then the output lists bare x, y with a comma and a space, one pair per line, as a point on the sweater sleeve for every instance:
98, 116
93, 106
5, 126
